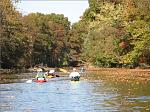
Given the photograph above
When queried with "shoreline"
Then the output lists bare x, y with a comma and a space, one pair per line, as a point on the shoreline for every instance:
118, 69
123, 74
121, 71
90, 69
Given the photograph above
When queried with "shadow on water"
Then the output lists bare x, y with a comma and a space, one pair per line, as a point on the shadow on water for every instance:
93, 93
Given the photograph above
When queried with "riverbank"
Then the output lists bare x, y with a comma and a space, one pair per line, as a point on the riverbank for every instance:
119, 70
123, 74
103, 70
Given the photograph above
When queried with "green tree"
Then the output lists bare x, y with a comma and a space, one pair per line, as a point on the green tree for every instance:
48, 37
12, 40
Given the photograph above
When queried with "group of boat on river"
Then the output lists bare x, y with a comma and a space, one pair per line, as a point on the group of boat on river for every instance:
42, 76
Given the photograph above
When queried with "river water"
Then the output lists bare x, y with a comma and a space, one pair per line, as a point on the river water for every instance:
93, 93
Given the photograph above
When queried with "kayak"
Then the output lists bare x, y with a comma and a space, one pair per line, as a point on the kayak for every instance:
39, 80
63, 70
50, 76
77, 78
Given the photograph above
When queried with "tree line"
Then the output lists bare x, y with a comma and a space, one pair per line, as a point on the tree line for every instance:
32, 39
114, 33
111, 33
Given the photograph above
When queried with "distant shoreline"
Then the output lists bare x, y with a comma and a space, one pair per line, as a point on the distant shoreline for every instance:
118, 69
103, 70
121, 71
123, 74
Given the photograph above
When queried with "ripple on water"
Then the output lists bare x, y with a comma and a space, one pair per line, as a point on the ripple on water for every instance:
63, 95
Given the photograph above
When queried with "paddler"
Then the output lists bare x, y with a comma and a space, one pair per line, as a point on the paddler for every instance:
51, 73
74, 75
40, 74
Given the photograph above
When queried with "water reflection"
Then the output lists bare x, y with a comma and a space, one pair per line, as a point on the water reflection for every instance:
131, 96
94, 93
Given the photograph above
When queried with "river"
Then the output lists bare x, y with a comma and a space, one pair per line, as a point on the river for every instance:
93, 93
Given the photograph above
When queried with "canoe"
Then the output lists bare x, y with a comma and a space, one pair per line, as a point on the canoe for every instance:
39, 80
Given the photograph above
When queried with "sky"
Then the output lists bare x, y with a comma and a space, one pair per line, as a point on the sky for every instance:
72, 9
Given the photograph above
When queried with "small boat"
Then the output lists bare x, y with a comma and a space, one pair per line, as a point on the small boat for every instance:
50, 76
63, 70
77, 78
39, 80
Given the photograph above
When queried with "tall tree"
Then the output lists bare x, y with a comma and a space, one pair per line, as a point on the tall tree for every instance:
12, 46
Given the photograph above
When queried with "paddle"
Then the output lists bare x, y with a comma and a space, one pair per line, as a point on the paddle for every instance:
63, 70
57, 75
29, 81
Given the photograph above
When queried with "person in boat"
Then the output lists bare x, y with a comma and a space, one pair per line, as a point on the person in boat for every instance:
82, 70
40, 74
52, 73
75, 76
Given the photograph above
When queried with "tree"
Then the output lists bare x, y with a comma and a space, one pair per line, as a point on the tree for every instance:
12, 40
